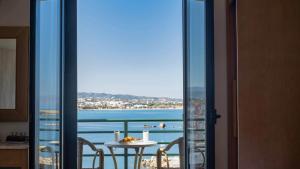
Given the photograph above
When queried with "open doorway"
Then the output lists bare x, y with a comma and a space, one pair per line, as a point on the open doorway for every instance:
130, 79
145, 83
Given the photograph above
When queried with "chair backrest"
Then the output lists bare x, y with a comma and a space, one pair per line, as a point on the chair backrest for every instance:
181, 152
98, 153
181, 148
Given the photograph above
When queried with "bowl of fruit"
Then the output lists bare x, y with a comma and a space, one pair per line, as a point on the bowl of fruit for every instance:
129, 139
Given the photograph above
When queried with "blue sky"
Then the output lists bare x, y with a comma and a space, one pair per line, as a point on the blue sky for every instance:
130, 47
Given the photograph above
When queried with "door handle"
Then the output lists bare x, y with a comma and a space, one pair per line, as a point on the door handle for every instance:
216, 116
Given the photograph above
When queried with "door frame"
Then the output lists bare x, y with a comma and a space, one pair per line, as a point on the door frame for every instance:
211, 114
232, 84
31, 118
69, 86
69, 34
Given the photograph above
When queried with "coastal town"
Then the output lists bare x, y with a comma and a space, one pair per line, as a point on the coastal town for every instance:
110, 101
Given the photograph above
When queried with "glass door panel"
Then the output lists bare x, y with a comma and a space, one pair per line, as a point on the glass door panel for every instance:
199, 85
48, 84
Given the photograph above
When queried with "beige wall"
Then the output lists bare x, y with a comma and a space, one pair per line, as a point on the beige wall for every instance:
268, 83
14, 13
221, 84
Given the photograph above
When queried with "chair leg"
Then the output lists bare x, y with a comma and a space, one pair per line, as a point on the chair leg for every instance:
94, 160
101, 157
158, 160
100, 160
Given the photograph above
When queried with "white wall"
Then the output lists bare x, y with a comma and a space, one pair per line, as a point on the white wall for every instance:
221, 84
14, 13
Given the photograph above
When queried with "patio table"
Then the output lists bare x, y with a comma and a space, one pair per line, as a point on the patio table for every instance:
138, 146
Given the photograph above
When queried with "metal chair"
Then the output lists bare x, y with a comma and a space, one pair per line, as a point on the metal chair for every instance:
52, 164
163, 151
98, 153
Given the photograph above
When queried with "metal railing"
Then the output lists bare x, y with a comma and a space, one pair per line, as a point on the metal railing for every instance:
125, 131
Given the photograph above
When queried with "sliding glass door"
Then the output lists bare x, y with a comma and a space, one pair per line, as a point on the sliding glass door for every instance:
53, 85
48, 84
199, 85
55, 92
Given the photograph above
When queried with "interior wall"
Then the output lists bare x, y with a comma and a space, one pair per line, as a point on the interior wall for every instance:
268, 83
221, 136
14, 13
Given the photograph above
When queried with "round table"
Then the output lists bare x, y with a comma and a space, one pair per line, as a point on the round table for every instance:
138, 146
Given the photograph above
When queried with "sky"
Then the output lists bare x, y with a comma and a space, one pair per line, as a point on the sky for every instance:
130, 47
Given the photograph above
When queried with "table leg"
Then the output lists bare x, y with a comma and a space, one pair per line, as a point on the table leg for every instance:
113, 156
136, 157
140, 157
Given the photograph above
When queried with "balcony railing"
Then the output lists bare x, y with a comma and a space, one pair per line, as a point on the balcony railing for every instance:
126, 131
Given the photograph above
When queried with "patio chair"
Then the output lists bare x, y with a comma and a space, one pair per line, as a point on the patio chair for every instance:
163, 152
47, 162
98, 153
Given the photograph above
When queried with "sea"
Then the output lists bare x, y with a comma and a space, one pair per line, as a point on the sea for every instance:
90, 131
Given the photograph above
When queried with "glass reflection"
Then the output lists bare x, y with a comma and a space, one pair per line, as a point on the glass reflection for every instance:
48, 79
196, 87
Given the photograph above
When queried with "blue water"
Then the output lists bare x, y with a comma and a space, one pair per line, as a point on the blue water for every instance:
113, 126
130, 114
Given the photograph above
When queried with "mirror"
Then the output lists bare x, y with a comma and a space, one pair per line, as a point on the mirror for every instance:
8, 73
14, 74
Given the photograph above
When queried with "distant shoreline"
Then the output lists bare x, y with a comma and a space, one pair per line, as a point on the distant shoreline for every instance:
56, 112
136, 109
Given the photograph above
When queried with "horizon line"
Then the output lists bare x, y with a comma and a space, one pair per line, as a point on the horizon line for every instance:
131, 95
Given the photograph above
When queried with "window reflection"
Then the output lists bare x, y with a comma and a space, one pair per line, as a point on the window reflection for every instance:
48, 82
196, 108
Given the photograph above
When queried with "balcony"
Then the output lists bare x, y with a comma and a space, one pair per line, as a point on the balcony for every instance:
98, 131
